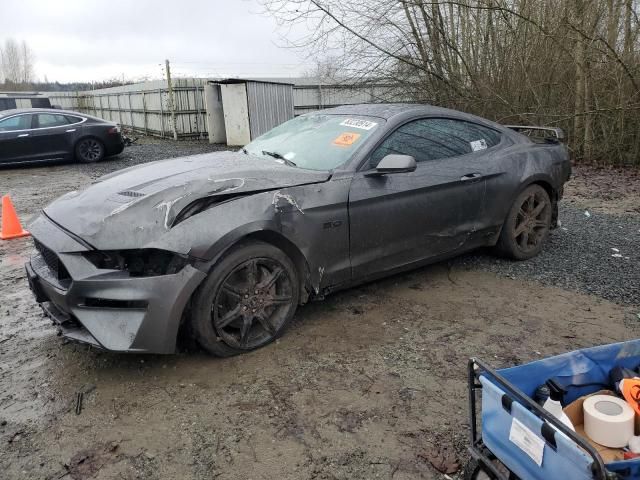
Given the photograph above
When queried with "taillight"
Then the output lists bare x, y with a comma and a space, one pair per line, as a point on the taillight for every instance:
113, 130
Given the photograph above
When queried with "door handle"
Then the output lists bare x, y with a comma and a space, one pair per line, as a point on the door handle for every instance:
23, 135
71, 130
471, 176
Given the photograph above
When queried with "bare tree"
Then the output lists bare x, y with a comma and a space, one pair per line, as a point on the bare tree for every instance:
16, 63
572, 63
26, 59
11, 64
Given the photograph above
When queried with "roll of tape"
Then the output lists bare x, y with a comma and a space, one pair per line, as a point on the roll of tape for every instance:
608, 420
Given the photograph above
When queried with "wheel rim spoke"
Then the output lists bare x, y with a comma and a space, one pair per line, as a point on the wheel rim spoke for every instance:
520, 229
539, 224
233, 291
524, 239
278, 300
229, 316
252, 274
538, 210
246, 328
267, 283
529, 203
266, 324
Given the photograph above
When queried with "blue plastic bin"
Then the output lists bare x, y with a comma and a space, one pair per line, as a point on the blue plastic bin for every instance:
507, 394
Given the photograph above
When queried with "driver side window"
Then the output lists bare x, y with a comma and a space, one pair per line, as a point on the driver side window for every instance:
19, 122
436, 138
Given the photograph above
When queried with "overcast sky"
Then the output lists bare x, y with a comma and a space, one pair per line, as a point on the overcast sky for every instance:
85, 40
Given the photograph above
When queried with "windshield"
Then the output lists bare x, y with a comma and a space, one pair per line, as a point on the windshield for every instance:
315, 141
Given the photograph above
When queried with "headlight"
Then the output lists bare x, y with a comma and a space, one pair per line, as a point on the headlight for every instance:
139, 263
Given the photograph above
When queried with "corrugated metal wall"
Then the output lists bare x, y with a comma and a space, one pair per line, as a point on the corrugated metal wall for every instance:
66, 100
144, 107
307, 98
270, 104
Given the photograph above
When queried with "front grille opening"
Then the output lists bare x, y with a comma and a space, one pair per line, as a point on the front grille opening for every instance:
53, 262
109, 303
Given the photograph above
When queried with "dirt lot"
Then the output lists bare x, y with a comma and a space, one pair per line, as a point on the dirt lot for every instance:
369, 383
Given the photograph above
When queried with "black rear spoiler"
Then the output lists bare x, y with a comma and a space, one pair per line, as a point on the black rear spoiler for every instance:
557, 133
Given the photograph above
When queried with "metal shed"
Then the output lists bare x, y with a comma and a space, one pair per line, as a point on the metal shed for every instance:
253, 107
215, 113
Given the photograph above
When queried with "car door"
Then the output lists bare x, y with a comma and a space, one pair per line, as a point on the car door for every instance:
53, 136
15, 143
402, 218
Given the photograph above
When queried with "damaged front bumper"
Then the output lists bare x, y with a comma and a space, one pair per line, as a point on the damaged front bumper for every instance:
106, 308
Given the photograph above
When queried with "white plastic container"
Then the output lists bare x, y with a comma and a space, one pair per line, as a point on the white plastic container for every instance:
555, 408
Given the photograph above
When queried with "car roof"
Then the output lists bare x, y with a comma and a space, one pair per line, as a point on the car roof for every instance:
390, 110
15, 111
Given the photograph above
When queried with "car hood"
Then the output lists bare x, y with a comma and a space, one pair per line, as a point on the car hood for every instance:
140, 203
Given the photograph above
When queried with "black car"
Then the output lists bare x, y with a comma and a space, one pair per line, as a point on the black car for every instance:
230, 243
36, 135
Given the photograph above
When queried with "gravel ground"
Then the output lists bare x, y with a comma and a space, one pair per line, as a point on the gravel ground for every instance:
597, 254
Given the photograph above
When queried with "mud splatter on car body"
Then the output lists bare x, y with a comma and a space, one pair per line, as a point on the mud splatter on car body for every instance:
97, 271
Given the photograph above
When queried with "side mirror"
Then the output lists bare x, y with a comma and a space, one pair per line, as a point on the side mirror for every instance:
394, 163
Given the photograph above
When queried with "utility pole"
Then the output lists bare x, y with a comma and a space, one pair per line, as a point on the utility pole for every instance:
172, 103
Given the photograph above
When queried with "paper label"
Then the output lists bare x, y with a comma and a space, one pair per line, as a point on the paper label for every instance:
346, 139
357, 123
478, 145
528, 441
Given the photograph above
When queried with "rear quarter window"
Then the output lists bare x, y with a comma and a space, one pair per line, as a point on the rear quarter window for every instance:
48, 120
72, 119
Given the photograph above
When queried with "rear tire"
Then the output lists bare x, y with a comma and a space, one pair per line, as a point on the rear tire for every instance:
247, 301
89, 150
527, 225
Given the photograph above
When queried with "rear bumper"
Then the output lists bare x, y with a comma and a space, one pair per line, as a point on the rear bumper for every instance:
106, 308
114, 144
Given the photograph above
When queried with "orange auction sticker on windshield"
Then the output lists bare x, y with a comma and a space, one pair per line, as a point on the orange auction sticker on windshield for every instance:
346, 139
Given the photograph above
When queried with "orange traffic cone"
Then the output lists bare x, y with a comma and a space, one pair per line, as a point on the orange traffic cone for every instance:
11, 227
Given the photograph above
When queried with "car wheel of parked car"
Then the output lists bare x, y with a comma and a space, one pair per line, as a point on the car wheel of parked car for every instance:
247, 301
527, 225
89, 150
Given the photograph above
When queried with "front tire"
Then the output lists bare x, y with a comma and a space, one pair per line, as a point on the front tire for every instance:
247, 301
89, 150
527, 225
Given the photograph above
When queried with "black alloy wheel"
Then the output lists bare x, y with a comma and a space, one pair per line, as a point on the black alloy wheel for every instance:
247, 312
247, 301
89, 150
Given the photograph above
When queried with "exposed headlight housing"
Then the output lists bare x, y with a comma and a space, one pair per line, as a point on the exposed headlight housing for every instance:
147, 262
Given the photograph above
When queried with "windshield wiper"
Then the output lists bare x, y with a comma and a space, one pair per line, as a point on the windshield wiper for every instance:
279, 156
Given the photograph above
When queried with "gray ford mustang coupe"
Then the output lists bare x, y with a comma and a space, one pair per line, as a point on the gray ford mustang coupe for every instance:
228, 244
